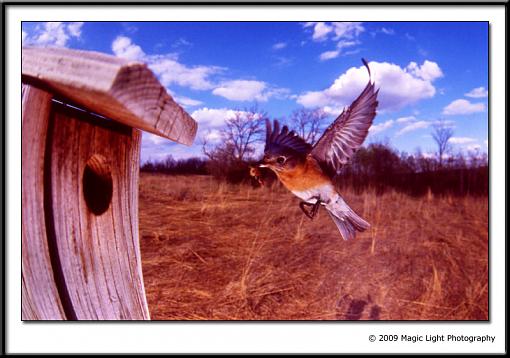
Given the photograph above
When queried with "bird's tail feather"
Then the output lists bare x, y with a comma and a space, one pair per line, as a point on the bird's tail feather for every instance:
347, 221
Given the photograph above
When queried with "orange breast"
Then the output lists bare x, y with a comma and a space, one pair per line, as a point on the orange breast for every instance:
304, 177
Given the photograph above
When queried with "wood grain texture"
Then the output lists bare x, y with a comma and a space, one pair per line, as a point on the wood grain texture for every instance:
99, 254
119, 89
40, 297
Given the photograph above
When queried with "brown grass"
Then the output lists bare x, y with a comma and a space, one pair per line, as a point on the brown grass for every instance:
212, 251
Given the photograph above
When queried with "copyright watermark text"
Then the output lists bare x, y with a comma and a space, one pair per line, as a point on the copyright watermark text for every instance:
433, 338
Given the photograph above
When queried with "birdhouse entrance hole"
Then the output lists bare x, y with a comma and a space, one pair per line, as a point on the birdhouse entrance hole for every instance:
97, 184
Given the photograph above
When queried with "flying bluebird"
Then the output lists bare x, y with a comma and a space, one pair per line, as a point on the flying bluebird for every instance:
308, 171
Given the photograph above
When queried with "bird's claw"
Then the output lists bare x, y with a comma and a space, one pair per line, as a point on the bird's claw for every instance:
313, 211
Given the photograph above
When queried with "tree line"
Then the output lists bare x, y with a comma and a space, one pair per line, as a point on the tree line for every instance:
376, 166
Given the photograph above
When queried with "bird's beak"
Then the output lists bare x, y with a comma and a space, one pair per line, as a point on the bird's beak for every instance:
263, 163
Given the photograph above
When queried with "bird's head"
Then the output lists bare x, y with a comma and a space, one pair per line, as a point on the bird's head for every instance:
280, 159
284, 150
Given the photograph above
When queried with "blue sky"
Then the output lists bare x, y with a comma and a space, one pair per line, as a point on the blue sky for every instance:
427, 71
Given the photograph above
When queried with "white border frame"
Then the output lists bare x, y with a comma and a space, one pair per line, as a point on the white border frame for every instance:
226, 337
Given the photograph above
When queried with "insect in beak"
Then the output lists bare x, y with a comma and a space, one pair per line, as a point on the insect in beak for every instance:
255, 173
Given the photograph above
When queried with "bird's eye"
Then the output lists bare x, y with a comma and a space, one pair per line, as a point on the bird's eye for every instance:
281, 160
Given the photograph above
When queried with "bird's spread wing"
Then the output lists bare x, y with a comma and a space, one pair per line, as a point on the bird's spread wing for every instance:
284, 139
346, 134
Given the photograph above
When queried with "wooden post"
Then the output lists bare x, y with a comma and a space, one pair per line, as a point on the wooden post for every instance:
82, 116
40, 298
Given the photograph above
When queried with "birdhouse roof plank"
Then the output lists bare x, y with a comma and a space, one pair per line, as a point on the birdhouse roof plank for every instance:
119, 89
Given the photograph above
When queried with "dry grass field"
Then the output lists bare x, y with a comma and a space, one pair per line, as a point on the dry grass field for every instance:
213, 251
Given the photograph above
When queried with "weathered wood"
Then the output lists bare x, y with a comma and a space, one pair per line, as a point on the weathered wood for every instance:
119, 89
81, 256
94, 203
40, 297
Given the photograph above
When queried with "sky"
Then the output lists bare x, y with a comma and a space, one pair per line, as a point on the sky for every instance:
427, 72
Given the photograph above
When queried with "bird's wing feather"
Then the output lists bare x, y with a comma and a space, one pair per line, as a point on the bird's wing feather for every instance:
346, 134
284, 138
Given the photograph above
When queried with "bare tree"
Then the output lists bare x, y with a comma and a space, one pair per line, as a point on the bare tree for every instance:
238, 137
442, 134
222, 152
308, 123
243, 131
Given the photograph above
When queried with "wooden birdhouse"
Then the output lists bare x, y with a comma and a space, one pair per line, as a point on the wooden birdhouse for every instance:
82, 117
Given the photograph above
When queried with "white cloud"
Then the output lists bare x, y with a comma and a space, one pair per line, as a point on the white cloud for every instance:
170, 71
187, 102
278, 92
377, 128
386, 31
345, 43
123, 47
212, 120
479, 92
314, 99
155, 148
468, 143
279, 45
429, 71
414, 126
328, 55
213, 117
399, 87
332, 111
51, 34
461, 140
248, 90
74, 28
242, 90
184, 101
129, 27
462, 106
351, 52
406, 119
181, 42
486, 143
428, 155
338, 30
320, 31
282, 61
347, 29
23, 37
432, 155
473, 147
149, 138
213, 135
423, 52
